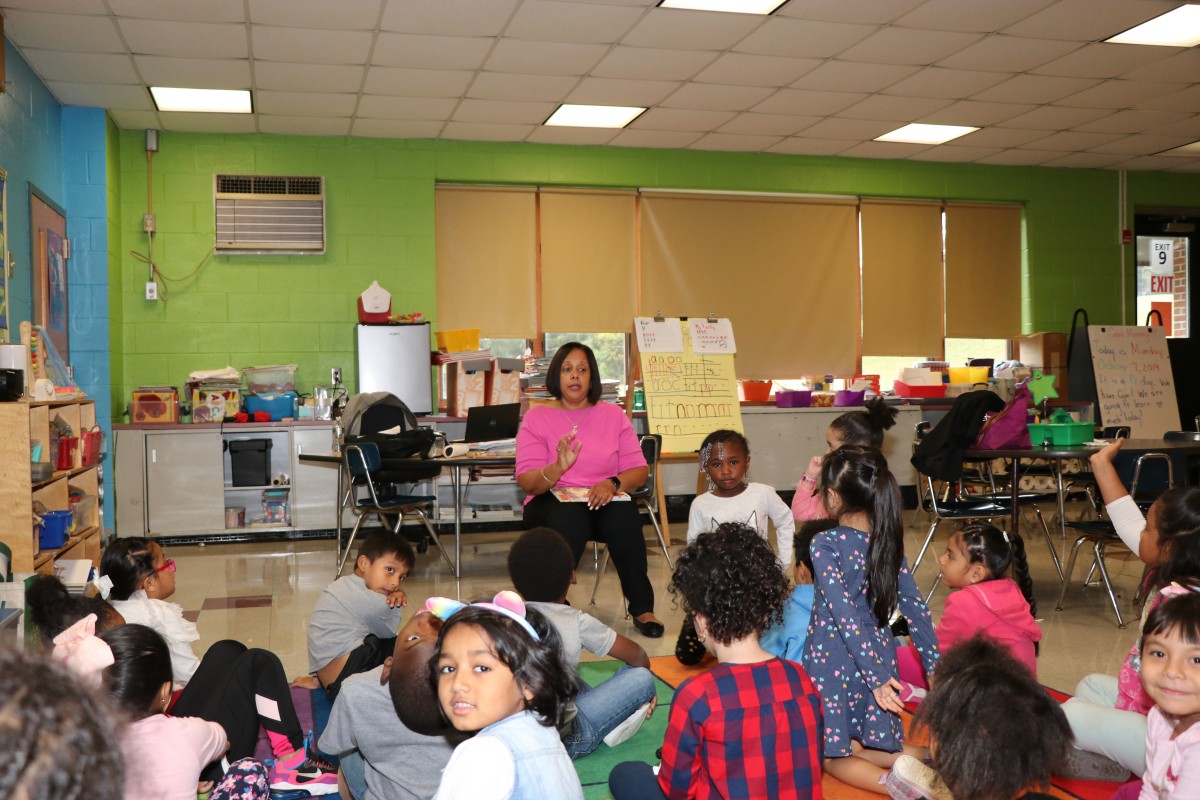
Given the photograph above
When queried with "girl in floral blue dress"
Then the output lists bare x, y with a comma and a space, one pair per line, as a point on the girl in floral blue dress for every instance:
861, 578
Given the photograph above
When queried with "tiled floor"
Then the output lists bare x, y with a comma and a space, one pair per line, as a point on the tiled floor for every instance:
262, 594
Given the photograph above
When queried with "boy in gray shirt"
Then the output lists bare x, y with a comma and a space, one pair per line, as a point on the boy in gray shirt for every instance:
353, 625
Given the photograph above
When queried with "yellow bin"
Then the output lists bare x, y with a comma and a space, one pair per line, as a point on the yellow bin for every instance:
968, 374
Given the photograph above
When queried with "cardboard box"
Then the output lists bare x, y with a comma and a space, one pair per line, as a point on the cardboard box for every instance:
466, 385
1047, 351
502, 383
215, 403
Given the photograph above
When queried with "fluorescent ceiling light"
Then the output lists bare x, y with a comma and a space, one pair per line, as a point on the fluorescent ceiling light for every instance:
225, 101
731, 6
917, 133
1178, 28
1192, 149
577, 116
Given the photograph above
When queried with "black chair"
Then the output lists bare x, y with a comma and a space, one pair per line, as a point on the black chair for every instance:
374, 491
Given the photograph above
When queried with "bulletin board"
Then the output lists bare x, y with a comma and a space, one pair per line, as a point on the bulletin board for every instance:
688, 394
1134, 386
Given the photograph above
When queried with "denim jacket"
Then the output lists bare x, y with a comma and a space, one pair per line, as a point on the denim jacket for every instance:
543, 768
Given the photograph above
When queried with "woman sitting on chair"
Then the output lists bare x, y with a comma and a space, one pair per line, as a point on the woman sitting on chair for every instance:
583, 444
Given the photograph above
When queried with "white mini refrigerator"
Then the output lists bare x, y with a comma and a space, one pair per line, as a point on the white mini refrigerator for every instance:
395, 358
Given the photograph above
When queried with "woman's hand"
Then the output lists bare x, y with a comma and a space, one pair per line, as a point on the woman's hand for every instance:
567, 452
888, 696
1106, 454
601, 494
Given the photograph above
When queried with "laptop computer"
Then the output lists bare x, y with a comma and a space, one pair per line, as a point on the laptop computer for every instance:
490, 423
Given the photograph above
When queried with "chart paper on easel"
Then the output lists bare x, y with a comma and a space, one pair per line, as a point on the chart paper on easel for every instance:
689, 395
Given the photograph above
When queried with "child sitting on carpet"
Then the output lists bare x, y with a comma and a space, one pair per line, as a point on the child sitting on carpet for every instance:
353, 625
542, 568
994, 732
1004, 609
786, 639
749, 727
864, 426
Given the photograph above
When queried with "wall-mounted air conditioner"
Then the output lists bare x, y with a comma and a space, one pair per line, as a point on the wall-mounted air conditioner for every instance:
269, 214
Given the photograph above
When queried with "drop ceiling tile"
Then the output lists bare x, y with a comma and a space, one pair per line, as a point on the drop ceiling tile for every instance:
710, 97
344, 15
59, 65
507, 86
1021, 158
1143, 144
279, 76
850, 76
448, 17
304, 126
1186, 166
546, 58
431, 52
1034, 89
1054, 118
81, 34
579, 23
557, 134
853, 129
806, 146
1120, 94
185, 39
58, 6
970, 112
309, 104
653, 64
96, 95
885, 150
1185, 100
1073, 141
1088, 20
738, 143
768, 124
670, 140
619, 92
486, 132
134, 120
889, 107
1000, 53
953, 84
742, 69
675, 119
1104, 60
972, 16
871, 11
680, 29
379, 106
503, 112
231, 73
417, 82
1000, 137
1149, 164
808, 103
1086, 161
208, 11
1185, 127
317, 47
1180, 66
908, 46
396, 129
207, 123
955, 155
797, 38
638, 3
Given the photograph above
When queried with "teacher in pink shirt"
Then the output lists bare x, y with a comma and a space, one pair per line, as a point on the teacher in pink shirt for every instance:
583, 443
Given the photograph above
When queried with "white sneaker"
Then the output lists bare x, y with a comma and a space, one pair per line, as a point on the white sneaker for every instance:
627, 728
912, 780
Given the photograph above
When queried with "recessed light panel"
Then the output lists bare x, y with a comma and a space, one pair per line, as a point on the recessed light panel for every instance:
731, 6
223, 101
1192, 149
917, 133
1178, 28
579, 116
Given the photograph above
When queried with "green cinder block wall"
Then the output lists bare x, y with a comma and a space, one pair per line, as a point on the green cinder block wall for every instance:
247, 310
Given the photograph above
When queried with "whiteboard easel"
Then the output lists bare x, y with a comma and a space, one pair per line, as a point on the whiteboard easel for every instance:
1134, 385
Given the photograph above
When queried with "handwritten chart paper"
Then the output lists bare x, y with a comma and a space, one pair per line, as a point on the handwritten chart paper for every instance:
658, 336
714, 337
689, 394
1134, 386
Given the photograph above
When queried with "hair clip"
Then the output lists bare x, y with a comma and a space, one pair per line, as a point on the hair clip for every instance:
103, 585
1006, 539
1176, 590
507, 603
85, 655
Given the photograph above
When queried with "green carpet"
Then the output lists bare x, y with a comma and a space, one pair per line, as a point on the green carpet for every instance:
593, 769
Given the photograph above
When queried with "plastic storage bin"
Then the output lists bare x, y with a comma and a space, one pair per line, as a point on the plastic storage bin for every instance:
755, 391
797, 399
457, 341
1061, 433
968, 374
902, 389
280, 405
250, 462
55, 525
848, 397
276, 378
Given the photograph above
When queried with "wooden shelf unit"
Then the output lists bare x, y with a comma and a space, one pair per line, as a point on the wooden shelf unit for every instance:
21, 424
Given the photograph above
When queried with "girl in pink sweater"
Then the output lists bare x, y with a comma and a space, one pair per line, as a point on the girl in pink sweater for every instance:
864, 426
976, 563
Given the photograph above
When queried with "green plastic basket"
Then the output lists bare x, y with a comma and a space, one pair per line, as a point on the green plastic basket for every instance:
1061, 433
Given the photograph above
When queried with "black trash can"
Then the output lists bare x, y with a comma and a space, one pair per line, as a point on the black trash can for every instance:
250, 462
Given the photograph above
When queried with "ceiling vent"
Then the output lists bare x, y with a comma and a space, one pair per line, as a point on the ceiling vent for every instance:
270, 214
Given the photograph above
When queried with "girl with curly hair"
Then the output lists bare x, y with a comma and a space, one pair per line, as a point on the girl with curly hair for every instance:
751, 726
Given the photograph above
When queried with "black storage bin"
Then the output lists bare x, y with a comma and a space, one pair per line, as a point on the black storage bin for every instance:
250, 460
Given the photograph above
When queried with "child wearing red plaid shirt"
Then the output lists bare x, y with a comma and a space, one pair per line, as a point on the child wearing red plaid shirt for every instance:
751, 726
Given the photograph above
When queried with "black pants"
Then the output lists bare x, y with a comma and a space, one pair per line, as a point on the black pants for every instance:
364, 658
634, 780
617, 524
223, 690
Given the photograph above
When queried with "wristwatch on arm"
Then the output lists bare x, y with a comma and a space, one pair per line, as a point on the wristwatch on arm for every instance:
616, 482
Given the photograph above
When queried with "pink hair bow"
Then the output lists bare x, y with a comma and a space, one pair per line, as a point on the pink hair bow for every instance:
84, 654
1175, 590
507, 603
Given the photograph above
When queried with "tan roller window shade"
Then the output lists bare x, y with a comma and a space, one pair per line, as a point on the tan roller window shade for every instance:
983, 271
902, 279
486, 244
784, 272
589, 260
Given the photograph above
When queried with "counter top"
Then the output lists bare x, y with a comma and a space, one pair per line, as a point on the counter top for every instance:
225, 427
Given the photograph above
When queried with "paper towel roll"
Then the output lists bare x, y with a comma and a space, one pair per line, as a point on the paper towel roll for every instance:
14, 356
457, 450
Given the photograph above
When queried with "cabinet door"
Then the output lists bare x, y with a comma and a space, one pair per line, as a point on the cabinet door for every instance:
184, 489
314, 486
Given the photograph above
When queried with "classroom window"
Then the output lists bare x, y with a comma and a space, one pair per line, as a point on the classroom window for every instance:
1162, 269
960, 351
505, 348
610, 350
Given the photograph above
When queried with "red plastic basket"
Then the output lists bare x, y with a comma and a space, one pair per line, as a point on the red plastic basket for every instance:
90, 446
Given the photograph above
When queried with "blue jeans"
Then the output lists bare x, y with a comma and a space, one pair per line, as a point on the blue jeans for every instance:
354, 773
604, 707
